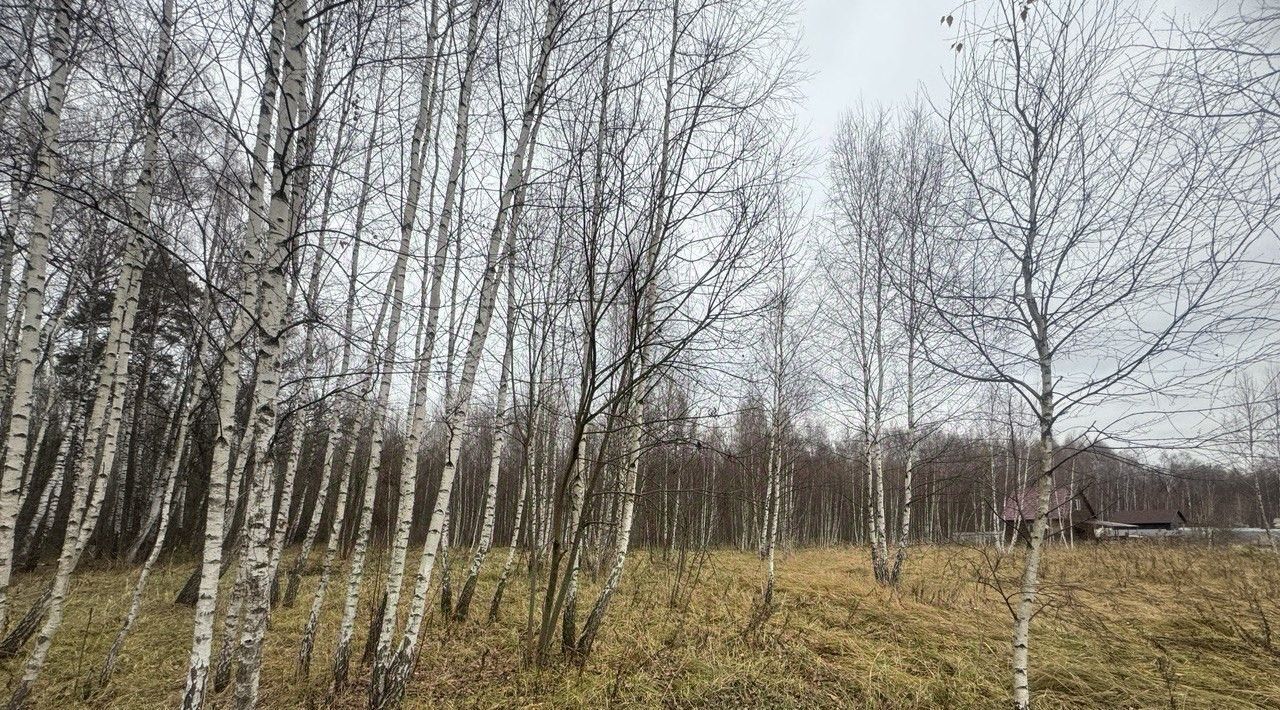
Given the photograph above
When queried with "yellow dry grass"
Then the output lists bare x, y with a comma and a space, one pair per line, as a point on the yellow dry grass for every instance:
1124, 627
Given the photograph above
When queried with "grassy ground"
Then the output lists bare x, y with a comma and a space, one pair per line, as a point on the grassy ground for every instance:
1123, 627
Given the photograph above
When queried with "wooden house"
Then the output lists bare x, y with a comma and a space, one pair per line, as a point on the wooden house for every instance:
1159, 519
1070, 515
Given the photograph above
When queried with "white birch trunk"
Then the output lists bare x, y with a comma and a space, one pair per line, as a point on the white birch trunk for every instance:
1025, 607
91, 482
331, 422
408, 482
282, 527
112, 380
264, 409
395, 300
904, 531
509, 563
360, 548
389, 692
408, 474
218, 512
355, 574
501, 424
19, 95
330, 441
307, 644
622, 538
33, 289
771, 498
186, 411
577, 492
50, 499
47, 369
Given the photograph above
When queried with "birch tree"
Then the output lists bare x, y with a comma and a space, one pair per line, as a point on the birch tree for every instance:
220, 486
272, 304
1084, 261
501, 423
396, 289
112, 370
33, 292
387, 686
888, 171
782, 351
358, 407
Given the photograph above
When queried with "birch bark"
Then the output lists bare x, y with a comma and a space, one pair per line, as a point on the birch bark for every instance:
395, 289
112, 380
220, 487
1025, 607
281, 528
313, 294
272, 306
33, 291
572, 532
408, 483
904, 531
347, 471
388, 691
187, 410
91, 482
500, 426
496, 603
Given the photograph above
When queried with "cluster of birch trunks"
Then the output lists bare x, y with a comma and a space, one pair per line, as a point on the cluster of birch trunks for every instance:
290, 287
271, 247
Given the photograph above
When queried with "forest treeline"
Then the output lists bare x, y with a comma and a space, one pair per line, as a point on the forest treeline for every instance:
287, 287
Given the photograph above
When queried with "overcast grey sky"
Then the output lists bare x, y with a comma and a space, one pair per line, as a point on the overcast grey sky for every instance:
877, 51
881, 52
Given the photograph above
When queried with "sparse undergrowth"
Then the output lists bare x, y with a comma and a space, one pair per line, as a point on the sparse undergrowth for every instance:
1140, 627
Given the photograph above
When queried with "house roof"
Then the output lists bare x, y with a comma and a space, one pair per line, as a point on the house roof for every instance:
1159, 516
1021, 506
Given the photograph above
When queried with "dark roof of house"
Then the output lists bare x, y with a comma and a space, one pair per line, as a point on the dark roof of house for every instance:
1022, 505
1159, 516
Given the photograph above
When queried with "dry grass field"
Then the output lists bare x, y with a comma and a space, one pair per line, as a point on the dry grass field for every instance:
1123, 627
